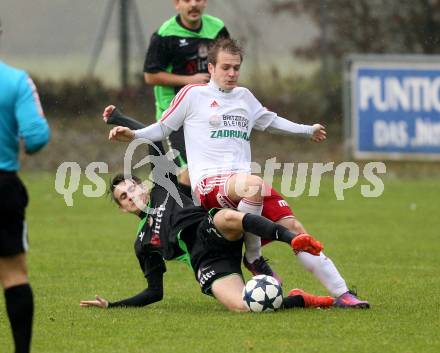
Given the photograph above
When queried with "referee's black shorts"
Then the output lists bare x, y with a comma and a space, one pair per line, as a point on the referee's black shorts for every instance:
13, 202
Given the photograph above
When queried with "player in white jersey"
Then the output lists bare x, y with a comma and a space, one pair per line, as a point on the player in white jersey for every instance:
217, 119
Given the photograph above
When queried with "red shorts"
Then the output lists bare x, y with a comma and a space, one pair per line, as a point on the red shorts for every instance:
212, 194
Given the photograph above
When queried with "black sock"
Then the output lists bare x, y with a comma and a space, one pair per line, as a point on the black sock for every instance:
20, 309
266, 229
186, 189
295, 301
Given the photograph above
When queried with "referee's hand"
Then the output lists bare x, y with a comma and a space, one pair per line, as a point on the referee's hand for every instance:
99, 302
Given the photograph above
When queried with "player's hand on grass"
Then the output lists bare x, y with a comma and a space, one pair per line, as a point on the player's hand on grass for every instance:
121, 133
319, 133
107, 112
99, 302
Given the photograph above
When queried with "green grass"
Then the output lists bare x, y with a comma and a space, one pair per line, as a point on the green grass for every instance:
388, 247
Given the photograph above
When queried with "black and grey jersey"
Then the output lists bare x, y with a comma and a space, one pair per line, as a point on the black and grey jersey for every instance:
156, 232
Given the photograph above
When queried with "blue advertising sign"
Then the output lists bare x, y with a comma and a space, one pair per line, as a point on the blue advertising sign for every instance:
395, 109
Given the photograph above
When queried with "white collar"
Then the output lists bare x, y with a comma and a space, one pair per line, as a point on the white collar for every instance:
216, 87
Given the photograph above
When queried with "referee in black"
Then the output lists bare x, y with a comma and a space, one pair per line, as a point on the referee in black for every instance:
21, 120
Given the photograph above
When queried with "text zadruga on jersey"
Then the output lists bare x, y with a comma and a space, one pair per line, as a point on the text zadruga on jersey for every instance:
232, 126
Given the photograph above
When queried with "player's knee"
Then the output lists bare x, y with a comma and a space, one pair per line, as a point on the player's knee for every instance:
249, 186
234, 235
228, 222
254, 183
231, 217
254, 180
293, 225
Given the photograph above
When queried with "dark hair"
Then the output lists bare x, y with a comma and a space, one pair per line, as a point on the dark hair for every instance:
228, 45
117, 179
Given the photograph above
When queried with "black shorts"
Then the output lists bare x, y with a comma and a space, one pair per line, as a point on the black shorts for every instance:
212, 256
176, 141
13, 202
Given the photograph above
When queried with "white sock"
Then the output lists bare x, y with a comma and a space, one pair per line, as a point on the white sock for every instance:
251, 241
325, 270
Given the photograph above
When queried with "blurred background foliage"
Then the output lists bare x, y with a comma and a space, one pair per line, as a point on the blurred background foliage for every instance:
345, 27
312, 92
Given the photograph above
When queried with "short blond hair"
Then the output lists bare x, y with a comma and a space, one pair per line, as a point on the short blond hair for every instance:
228, 45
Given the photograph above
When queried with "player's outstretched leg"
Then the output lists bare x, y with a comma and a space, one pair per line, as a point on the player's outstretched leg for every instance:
228, 221
350, 300
312, 301
267, 229
319, 264
326, 272
246, 190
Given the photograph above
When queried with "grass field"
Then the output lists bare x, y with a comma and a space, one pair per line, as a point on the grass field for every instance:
388, 247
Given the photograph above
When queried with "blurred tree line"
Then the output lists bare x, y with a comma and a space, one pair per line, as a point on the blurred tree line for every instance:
345, 26
87, 97
361, 27
367, 26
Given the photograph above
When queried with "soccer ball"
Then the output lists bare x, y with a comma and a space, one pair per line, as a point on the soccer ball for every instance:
263, 293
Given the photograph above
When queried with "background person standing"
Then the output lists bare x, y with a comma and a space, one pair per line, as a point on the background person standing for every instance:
21, 118
177, 56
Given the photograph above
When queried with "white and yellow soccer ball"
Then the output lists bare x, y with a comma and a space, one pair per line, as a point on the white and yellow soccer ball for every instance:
263, 293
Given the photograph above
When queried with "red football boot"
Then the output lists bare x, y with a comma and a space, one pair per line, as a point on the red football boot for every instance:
305, 242
312, 301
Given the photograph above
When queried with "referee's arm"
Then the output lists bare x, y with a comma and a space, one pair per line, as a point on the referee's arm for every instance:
33, 126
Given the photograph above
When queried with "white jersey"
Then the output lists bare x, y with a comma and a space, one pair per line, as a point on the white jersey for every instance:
217, 125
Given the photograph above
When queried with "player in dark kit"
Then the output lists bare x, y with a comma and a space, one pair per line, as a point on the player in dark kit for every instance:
220, 163
21, 118
172, 227
177, 56
210, 242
